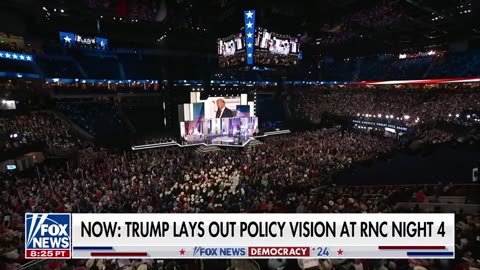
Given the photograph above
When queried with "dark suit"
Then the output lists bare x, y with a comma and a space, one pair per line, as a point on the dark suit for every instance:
226, 113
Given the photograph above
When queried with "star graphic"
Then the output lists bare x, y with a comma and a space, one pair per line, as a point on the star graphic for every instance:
249, 35
22, 57
15, 56
1, 54
67, 39
249, 14
249, 25
249, 55
182, 251
7, 55
340, 252
29, 58
249, 45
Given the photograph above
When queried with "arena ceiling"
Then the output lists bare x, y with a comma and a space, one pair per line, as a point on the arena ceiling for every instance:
325, 26
415, 23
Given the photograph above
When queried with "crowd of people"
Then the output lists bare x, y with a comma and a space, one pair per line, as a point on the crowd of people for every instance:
142, 10
407, 104
286, 174
381, 16
145, 10
291, 173
352, 26
25, 129
275, 177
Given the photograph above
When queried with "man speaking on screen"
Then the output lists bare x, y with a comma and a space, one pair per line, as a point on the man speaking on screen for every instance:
222, 111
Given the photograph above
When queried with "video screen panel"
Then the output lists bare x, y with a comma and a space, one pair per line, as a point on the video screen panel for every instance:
221, 107
193, 131
276, 49
243, 110
198, 111
7, 105
231, 50
230, 127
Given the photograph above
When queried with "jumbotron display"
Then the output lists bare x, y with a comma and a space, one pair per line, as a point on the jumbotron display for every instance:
275, 49
231, 50
270, 49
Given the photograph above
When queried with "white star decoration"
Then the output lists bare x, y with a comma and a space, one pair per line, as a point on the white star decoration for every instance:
22, 57
29, 58
15, 56
7, 55
1, 54
67, 39
249, 35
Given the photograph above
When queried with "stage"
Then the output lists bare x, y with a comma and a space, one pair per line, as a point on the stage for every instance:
222, 141
217, 140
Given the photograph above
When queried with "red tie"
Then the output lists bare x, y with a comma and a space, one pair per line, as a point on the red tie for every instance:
218, 113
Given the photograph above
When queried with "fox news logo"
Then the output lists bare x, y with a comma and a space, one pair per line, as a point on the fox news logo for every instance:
219, 252
47, 236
